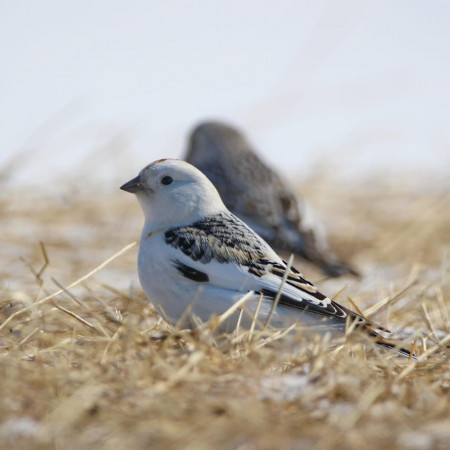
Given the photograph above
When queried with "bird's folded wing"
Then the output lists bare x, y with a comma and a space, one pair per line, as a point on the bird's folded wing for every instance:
265, 277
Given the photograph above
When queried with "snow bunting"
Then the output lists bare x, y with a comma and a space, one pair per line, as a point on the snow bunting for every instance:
257, 195
197, 256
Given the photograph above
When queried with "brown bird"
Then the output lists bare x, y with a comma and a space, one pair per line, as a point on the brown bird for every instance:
259, 196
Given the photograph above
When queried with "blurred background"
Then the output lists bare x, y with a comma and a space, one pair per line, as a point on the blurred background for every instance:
93, 90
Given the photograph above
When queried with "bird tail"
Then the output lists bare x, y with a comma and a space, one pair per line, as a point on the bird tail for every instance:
336, 268
368, 328
311, 247
390, 345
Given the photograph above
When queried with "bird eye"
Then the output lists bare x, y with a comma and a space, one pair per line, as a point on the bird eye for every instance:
166, 180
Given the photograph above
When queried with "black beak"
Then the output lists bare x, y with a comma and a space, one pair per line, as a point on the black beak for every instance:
133, 186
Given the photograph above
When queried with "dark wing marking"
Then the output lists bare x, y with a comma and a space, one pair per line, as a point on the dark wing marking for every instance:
225, 239
190, 272
222, 237
314, 302
326, 309
334, 310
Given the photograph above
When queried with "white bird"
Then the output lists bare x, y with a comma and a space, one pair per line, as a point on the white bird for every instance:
196, 254
259, 196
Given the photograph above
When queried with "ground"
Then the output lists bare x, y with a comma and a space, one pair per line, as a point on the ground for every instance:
95, 366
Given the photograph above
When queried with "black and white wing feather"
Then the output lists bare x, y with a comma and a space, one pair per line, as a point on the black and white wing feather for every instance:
224, 252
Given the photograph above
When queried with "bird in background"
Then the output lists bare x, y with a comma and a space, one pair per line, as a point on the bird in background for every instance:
195, 255
259, 196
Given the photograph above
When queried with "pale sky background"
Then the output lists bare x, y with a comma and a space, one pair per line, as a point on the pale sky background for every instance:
94, 90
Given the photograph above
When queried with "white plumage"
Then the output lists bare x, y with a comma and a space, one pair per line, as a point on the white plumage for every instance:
195, 253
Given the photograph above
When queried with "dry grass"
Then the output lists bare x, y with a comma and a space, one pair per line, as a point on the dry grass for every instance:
95, 367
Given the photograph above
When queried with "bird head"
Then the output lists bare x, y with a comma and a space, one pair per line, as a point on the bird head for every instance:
211, 141
172, 191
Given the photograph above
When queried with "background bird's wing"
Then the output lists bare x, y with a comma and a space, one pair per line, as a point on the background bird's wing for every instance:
258, 195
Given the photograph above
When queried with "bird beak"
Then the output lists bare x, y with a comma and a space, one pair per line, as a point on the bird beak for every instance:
133, 186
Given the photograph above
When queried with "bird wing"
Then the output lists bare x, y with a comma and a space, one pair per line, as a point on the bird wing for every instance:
247, 185
258, 195
224, 252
